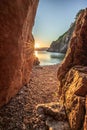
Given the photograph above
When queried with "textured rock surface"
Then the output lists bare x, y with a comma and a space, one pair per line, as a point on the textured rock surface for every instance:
20, 112
54, 116
72, 73
75, 79
36, 61
85, 120
16, 45
61, 44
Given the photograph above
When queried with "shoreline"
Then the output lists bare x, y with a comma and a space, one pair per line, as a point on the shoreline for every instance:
20, 112
47, 65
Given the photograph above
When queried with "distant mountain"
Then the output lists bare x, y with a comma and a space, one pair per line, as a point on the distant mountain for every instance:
61, 44
41, 49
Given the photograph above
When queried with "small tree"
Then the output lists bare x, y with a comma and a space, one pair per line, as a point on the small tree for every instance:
78, 13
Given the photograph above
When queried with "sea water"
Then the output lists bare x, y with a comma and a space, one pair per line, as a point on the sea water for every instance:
49, 58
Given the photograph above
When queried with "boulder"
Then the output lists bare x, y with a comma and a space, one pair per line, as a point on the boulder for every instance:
54, 116
72, 74
16, 45
36, 61
75, 106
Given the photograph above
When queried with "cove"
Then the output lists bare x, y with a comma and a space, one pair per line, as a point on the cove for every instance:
49, 58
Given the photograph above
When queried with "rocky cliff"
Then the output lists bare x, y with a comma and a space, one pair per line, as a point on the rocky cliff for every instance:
72, 74
16, 45
61, 44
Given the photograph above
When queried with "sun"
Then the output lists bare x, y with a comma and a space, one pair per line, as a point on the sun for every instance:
37, 45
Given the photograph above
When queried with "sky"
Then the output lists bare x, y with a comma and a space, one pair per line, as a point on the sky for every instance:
53, 18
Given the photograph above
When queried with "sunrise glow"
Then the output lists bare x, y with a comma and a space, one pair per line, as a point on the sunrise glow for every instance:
37, 45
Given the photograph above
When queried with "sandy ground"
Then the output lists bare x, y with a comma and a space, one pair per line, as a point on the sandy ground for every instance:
20, 112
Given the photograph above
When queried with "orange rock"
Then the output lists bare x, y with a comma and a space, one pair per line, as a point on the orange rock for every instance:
77, 51
36, 61
72, 74
85, 121
16, 45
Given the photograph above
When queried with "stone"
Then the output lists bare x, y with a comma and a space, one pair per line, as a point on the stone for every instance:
85, 121
54, 115
76, 54
55, 110
72, 74
74, 105
57, 125
62, 43
36, 61
16, 45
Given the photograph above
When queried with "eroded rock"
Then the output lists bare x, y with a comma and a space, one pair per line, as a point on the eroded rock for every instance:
75, 105
62, 43
57, 125
54, 115
16, 45
77, 52
72, 74
36, 61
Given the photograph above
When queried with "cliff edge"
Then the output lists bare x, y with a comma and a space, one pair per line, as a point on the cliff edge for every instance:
62, 43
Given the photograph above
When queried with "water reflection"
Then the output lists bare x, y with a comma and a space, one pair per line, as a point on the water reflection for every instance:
49, 58
36, 53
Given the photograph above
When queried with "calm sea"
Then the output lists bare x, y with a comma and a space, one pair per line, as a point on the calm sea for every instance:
49, 58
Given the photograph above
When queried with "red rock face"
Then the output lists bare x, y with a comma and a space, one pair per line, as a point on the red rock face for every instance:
72, 74
77, 52
16, 45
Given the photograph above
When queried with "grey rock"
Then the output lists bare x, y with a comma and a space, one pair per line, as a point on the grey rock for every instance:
61, 44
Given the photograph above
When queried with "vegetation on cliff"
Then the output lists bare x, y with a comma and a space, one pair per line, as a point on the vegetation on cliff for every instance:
46, 101
61, 44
